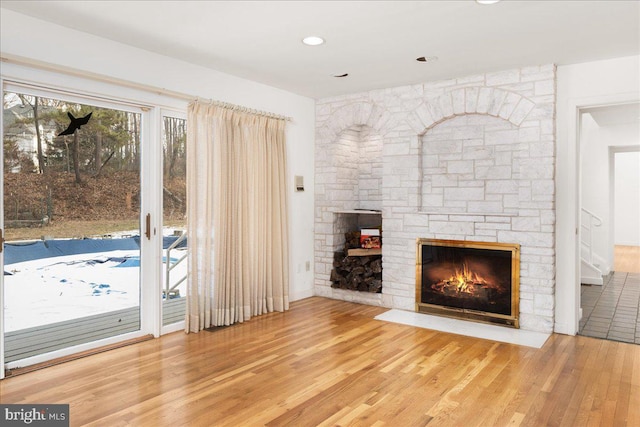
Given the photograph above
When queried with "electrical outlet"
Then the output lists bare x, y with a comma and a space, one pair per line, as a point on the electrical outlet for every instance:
307, 265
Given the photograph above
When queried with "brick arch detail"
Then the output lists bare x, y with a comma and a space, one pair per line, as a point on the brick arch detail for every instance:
500, 103
357, 114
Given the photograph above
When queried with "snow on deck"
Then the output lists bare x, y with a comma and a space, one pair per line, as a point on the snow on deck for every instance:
55, 289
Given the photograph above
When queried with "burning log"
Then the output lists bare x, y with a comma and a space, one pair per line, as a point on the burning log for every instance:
466, 284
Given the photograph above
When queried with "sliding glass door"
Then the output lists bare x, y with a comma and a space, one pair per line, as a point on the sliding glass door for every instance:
174, 217
73, 221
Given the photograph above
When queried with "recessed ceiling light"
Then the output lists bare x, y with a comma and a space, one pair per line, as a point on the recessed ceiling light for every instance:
313, 40
427, 59
487, 1
340, 75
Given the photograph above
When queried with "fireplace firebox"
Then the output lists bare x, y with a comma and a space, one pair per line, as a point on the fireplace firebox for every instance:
470, 280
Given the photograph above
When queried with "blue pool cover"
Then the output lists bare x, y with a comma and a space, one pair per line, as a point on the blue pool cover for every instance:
20, 252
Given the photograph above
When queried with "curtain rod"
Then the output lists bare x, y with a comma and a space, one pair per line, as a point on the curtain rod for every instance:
19, 60
243, 109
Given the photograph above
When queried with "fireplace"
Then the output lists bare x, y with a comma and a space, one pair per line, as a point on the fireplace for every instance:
470, 280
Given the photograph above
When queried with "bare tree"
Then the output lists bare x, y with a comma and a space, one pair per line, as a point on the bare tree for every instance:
76, 157
175, 135
36, 123
135, 141
97, 161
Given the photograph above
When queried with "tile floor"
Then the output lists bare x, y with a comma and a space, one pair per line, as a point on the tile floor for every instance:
611, 311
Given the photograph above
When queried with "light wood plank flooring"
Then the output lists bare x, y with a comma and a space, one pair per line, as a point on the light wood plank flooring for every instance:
329, 363
626, 259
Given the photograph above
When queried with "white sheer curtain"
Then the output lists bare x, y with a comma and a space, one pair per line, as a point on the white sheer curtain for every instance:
237, 216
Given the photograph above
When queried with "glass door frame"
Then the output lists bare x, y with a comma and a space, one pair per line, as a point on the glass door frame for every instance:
151, 106
162, 113
2, 366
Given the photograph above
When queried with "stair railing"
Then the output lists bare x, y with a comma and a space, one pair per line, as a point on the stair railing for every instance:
592, 220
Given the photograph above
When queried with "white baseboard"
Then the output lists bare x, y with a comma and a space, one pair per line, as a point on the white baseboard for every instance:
562, 328
306, 293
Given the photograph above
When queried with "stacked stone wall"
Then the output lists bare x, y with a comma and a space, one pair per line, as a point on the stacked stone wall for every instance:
466, 159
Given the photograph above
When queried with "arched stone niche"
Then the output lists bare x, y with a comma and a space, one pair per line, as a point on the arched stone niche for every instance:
348, 165
357, 157
459, 131
349, 174
470, 164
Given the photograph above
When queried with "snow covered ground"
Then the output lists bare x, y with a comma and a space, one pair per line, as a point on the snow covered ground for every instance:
50, 290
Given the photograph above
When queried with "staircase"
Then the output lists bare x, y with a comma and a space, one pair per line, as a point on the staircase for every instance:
590, 272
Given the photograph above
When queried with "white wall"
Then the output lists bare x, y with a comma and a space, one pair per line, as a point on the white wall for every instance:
580, 86
621, 139
627, 199
29, 39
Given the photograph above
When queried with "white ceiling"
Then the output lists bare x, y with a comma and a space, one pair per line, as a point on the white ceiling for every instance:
376, 42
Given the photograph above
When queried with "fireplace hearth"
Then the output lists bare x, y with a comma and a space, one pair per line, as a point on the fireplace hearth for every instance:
470, 280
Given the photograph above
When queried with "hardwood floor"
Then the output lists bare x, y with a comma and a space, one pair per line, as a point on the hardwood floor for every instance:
328, 362
626, 259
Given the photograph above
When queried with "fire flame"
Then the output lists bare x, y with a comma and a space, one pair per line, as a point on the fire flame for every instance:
465, 283
463, 278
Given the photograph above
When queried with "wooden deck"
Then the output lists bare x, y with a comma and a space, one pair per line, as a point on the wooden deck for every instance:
29, 342
328, 362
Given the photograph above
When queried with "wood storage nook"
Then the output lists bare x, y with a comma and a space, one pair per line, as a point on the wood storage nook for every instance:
355, 268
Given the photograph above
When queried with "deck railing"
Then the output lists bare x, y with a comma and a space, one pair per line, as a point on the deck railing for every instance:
169, 289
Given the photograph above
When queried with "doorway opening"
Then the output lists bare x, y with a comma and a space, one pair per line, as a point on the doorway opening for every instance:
610, 232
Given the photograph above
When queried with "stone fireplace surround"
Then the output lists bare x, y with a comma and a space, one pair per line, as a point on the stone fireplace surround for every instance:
461, 159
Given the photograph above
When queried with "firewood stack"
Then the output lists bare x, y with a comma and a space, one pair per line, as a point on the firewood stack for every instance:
351, 240
356, 273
